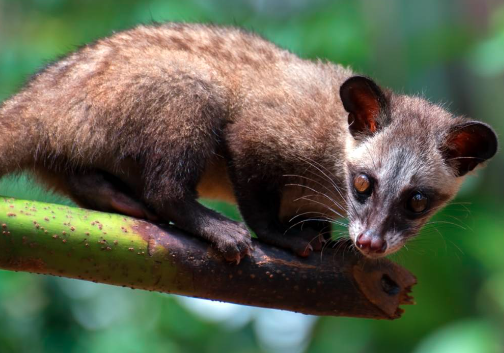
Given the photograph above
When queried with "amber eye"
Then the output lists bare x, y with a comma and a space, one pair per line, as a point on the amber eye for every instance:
418, 203
362, 184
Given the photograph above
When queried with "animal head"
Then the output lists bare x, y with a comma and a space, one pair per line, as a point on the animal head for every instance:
406, 159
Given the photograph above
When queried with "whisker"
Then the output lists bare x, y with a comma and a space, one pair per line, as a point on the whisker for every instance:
442, 237
319, 193
449, 208
307, 198
312, 180
309, 212
316, 219
447, 223
325, 242
321, 169
343, 242
323, 217
306, 220
459, 220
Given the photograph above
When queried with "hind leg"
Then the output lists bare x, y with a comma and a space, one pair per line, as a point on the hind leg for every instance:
101, 191
167, 198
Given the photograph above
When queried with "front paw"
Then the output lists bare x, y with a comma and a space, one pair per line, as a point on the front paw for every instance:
304, 241
232, 240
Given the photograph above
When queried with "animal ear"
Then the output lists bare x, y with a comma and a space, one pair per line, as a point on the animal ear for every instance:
366, 105
469, 144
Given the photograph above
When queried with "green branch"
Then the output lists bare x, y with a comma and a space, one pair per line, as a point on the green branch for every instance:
109, 248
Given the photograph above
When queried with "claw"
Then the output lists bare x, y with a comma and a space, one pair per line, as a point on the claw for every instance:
307, 251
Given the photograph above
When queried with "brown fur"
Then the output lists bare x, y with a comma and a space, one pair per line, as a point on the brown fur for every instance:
147, 120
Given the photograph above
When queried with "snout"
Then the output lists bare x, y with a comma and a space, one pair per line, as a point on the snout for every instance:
370, 243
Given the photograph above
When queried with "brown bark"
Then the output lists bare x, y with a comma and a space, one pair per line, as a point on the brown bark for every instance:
113, 249
338, 282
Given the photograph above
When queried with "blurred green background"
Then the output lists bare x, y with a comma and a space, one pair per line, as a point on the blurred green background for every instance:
451, 52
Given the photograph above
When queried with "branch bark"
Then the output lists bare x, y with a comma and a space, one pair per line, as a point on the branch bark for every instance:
113, 249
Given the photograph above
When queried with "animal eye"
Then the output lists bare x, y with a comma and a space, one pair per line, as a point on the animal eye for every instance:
418, 203
362, 184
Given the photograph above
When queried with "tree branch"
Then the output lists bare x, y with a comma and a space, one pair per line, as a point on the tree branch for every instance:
108, 248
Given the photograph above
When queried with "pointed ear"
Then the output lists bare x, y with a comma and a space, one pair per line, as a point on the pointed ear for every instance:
366, 105
469, 144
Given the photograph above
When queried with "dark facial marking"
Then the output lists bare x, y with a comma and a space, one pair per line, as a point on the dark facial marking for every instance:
417, 203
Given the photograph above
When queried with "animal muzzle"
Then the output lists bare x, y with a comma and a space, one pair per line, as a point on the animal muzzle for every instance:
370, 242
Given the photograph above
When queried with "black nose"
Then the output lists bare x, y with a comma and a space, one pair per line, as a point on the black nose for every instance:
370, 242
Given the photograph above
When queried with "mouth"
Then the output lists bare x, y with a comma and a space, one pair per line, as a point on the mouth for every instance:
371, 254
